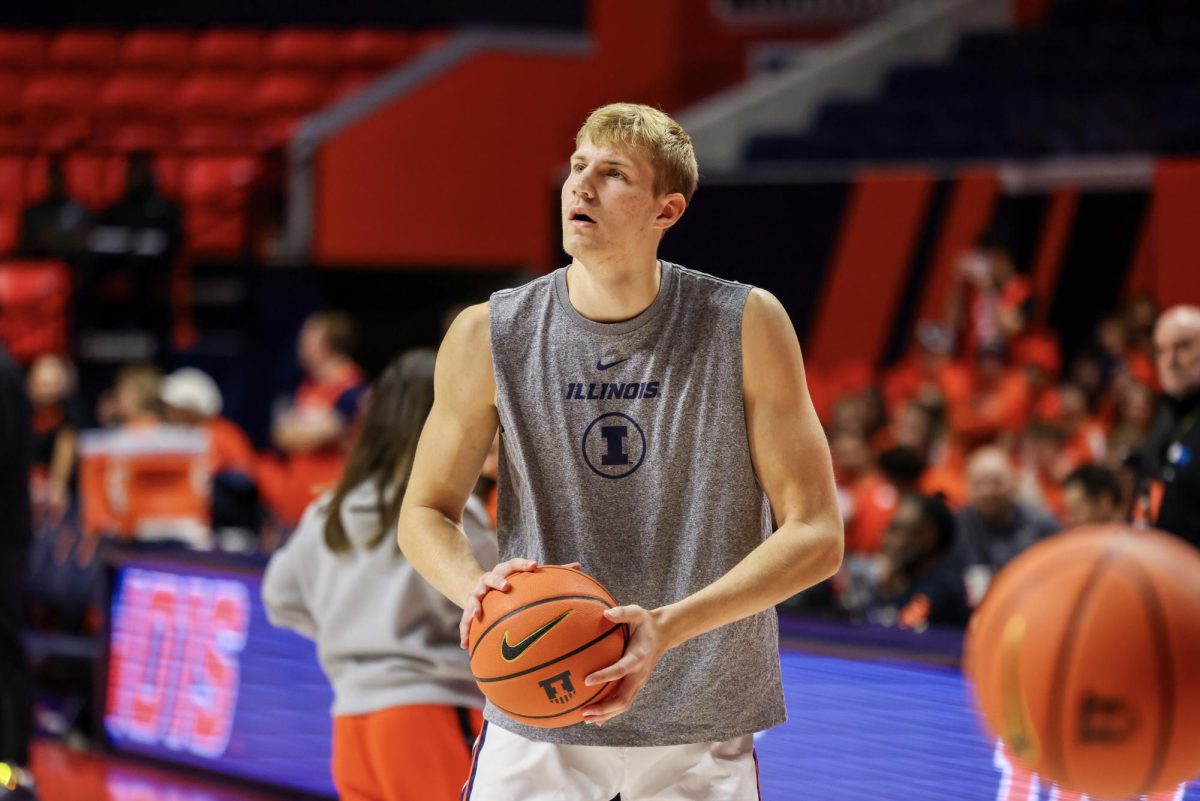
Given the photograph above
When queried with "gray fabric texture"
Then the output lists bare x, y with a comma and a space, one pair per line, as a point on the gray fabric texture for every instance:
385, 637
624, 447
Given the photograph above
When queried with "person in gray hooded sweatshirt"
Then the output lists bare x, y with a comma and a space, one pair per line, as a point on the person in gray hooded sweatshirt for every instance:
405, 706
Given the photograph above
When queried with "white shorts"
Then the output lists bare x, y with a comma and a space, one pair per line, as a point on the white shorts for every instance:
508, 767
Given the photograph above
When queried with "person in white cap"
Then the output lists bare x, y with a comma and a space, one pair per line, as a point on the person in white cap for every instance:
191, 398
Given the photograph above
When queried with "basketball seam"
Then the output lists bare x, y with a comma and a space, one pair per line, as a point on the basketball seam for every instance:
1166, 672
560, 658
581, 574
1054, 729
530, 605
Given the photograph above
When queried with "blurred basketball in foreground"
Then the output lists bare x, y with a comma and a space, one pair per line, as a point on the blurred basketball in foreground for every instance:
1085, 657
539, 640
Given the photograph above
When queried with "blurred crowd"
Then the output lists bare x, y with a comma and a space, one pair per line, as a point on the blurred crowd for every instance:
155, 462
983, 441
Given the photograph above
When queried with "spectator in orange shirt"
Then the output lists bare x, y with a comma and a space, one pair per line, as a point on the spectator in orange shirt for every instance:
1040, 470
1040, 361
868, 499
314, 433
1086, 438
191, 398
990, 299
997, 405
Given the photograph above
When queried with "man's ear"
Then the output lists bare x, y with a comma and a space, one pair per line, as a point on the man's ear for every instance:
673, 207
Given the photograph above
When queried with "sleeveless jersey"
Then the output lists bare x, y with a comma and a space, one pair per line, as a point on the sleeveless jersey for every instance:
624, 447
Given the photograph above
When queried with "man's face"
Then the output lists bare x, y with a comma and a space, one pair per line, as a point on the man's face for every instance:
608, 202
1177, 353
908, 537
310, 348
1082, 510
990, 487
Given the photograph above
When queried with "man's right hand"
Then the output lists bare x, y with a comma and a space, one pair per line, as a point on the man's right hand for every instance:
494, 579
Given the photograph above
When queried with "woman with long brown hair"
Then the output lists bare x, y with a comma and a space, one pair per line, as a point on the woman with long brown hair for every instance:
405, 706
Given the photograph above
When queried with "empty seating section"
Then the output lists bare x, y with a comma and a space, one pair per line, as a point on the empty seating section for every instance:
212, 105
1119, 77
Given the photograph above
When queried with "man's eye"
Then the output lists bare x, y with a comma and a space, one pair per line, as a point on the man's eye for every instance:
615, 174
577, 168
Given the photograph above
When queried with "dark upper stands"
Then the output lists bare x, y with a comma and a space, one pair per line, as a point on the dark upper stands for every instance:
1100, 78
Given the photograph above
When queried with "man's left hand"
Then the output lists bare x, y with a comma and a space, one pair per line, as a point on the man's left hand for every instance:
647, 644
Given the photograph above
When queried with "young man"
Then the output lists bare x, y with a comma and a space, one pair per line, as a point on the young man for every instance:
648, 413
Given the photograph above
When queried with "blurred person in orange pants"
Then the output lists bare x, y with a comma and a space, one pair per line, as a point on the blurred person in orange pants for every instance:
314, 433
406, 708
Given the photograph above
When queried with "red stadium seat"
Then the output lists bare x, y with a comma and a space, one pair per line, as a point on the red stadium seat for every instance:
157, 49
136, 95
281, 99
56, 109
83, 49
12, 200
228, 49
303, 48
11, 86
215, 193
290, 93
59, 94
134, 110
372, 49
215, 95
22, 50
214, 111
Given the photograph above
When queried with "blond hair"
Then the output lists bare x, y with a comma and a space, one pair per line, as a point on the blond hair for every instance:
646, 129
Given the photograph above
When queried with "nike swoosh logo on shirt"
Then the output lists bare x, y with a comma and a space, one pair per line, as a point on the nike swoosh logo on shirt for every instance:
601, 366
513, 652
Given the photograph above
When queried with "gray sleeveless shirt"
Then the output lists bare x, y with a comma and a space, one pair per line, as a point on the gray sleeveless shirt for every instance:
624, 447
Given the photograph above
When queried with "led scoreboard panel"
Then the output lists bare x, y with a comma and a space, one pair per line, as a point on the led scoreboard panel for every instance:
197, 676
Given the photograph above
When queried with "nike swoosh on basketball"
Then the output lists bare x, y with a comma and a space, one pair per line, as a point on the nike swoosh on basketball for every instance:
512, 652
601, 366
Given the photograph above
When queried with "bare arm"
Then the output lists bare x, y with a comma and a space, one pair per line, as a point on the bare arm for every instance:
791, 459
308, 431
454, 442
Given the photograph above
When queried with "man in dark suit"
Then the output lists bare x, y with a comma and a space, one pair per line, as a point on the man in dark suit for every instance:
16, 534
1168, 466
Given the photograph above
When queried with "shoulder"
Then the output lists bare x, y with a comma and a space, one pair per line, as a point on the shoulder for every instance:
767, 330
763, 308
470, 330
464, 362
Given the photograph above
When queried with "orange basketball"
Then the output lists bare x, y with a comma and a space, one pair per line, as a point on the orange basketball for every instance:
539, 640
1085, 657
